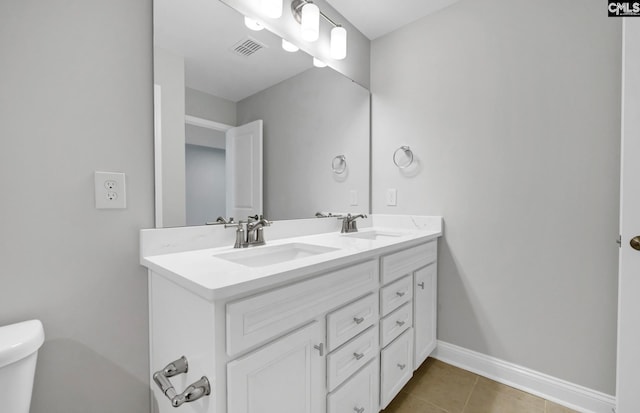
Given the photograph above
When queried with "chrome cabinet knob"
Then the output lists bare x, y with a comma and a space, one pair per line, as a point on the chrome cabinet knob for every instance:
635, 243
358, 320
358, 409
401, 293
358, 356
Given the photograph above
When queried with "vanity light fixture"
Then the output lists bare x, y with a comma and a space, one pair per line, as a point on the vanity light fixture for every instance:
289, 47
252, 24
338, 43
308, 15
310, 22
318, 63
272, 8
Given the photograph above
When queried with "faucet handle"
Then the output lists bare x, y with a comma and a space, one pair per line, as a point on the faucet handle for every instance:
232, 224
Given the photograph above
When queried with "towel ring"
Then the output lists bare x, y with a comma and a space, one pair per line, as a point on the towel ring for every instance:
339, 164
409, 155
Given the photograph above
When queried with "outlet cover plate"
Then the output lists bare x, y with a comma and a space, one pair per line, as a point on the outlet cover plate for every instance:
110, 190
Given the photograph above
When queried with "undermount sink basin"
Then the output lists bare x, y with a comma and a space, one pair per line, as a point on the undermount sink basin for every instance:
373, 235
270, 255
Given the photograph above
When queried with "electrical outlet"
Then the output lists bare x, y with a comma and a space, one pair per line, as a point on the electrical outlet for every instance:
110, 184
110, 190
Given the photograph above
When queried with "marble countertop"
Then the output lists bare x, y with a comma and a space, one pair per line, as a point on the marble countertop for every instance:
213, 278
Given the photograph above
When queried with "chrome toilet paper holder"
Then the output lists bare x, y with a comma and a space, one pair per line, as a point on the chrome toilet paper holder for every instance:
192, 393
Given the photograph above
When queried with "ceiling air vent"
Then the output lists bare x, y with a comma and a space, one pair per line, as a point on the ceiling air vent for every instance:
247, 46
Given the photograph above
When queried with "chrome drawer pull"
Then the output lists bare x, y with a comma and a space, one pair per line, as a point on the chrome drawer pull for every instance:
358, 320
402, 366
358, 409
401, 293
320, 348
400, 323
358, 356
421, 285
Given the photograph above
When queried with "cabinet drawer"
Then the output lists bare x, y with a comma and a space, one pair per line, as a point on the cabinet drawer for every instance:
345, 361
394, 266
394, 295
349, 321
396, 367
395, 323
358, 394
253, 320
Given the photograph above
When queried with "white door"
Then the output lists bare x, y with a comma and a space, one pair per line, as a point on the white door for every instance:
425, 292
286, 376
628, 380
244, 170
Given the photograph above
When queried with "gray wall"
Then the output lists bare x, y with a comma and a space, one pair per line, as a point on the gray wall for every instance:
207, 106
169, 74
308, 120
205, 184
513, 110
197, 135
76, 81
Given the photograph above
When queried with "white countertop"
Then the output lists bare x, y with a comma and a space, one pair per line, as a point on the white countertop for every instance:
212, 278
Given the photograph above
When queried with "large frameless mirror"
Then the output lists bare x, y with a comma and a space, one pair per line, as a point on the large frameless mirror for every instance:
244, 127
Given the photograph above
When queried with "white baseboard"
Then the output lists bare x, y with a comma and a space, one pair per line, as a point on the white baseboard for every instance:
556, 390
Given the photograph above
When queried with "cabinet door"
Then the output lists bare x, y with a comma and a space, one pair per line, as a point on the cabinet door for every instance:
395, 367
425, 291
286, 376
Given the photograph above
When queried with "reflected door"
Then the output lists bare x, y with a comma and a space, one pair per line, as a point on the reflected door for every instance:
244, 170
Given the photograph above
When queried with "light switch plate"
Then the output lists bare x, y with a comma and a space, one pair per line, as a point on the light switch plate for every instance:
353, 197
110, 190
392, 197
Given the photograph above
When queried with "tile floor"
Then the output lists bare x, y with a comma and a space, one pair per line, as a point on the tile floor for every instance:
437, 387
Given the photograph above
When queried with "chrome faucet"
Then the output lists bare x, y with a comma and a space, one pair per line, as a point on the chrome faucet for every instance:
255, 230
253, 235
349, 223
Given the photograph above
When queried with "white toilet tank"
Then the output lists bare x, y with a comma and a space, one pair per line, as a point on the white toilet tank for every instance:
19, 344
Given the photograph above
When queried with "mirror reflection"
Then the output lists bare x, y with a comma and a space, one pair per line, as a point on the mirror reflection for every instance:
245, 127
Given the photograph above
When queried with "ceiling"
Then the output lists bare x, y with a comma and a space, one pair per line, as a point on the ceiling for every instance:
375, 18
204, 32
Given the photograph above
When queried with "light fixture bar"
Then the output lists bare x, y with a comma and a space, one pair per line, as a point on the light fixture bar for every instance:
328, 19
296, 9
308, 15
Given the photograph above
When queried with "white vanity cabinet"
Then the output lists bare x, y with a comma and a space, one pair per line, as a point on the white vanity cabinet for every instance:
344, 339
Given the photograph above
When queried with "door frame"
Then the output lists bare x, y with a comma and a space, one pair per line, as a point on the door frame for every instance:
628, 355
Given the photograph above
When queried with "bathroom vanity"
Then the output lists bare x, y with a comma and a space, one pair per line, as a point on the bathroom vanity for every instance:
315, 321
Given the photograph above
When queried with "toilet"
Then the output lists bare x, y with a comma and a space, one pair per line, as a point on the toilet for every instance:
19, 344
